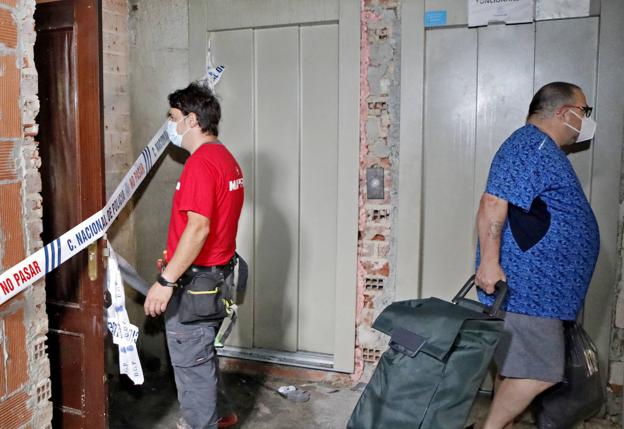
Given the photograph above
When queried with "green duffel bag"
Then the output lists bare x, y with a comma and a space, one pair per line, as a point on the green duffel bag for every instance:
438, 357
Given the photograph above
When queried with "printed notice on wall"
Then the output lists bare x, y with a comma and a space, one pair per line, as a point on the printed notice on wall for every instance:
557, 9
484, 12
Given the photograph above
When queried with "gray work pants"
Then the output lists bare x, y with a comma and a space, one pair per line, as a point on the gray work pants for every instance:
191, 347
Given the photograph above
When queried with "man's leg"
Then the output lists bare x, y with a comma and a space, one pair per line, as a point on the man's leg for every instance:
191, 348
511, 398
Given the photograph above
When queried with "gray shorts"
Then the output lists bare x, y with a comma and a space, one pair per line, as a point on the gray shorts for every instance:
531, 347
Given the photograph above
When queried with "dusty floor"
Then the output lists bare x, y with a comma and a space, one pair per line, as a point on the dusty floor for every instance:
259, 406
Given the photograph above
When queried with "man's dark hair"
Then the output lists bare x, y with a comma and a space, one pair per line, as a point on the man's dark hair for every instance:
200, 100
552, 96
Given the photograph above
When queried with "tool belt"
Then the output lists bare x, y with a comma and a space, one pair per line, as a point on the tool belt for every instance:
194, 270
207, 293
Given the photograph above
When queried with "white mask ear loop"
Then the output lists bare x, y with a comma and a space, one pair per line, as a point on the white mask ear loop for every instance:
188, 126
570, 126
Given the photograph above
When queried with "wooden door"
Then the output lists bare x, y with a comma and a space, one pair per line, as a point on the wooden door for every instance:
67, 57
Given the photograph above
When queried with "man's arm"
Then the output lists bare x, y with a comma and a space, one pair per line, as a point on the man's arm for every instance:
191, 242
491, 218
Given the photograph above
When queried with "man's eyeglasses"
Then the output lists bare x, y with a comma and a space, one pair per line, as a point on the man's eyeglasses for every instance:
587, 110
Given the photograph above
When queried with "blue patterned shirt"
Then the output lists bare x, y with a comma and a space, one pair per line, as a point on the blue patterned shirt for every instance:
550, 240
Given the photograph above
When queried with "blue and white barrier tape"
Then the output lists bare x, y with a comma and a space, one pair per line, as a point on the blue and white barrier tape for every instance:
34, 267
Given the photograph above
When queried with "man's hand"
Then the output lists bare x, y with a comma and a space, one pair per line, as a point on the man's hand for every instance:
157, 299
488, 274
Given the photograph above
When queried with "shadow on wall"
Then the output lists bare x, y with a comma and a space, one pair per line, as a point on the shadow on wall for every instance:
275, 284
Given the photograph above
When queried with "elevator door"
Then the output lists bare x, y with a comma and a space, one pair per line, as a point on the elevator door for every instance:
289, 98
280, 89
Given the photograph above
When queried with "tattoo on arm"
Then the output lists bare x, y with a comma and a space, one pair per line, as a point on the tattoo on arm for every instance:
494, 230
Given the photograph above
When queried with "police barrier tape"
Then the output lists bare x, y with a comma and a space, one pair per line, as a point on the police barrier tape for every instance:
124, 333
25, 273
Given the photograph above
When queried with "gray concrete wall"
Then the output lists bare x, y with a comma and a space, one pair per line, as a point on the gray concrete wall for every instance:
118, 150
158, 65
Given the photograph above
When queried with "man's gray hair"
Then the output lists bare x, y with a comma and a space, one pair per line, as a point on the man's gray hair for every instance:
552, 96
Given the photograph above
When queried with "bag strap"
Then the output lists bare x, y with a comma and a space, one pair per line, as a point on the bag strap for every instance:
243, 273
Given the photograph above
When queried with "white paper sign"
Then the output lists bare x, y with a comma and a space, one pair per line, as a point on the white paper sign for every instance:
483, 12
557, 9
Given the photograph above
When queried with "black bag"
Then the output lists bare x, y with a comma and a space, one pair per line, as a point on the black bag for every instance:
208, 295
439, 354
202, 298
581, 394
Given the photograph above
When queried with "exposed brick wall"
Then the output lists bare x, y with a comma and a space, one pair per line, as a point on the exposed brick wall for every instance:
379, 141
24, 366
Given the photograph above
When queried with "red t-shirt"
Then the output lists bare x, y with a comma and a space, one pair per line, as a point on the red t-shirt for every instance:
211, 185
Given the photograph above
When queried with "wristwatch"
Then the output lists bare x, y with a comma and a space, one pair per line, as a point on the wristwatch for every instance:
164, 282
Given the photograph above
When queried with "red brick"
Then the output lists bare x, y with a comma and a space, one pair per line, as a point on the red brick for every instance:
10, 3
7, 161
11, 224
2, 372
10, 124
17, 362
8, 29
14, 412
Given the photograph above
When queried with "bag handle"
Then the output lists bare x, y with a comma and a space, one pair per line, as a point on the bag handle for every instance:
501, 292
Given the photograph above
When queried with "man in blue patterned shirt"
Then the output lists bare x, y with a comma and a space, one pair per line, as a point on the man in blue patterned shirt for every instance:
537, 231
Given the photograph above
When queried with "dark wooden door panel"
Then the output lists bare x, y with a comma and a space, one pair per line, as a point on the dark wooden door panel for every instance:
54, 56
67, 57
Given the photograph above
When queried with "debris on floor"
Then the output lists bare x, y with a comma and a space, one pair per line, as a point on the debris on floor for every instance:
259, 404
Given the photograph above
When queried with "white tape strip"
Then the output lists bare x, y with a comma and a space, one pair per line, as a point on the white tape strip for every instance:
213, 76
37, 265
124, 333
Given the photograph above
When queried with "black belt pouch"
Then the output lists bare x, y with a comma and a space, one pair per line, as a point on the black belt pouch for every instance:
202, 298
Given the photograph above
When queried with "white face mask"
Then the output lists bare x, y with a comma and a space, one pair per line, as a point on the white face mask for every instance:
588, 128
172, 132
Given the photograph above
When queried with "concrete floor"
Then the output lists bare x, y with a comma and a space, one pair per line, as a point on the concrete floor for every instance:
259, 406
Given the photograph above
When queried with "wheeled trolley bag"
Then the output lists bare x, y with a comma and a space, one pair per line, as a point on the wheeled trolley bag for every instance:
438, 357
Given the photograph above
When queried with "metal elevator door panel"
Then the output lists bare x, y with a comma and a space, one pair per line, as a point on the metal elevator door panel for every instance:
448, 157
478, 86
279, 97
567, 50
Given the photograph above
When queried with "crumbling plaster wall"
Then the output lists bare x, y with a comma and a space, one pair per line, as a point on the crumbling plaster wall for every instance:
616, 357
24, 365
379, 147
158, 65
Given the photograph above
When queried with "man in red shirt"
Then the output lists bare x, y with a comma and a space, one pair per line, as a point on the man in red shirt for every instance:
201, 246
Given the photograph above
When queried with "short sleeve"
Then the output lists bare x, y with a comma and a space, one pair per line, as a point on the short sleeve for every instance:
198, 188
515, 174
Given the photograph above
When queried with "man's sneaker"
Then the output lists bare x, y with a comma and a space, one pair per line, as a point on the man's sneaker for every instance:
227, 421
